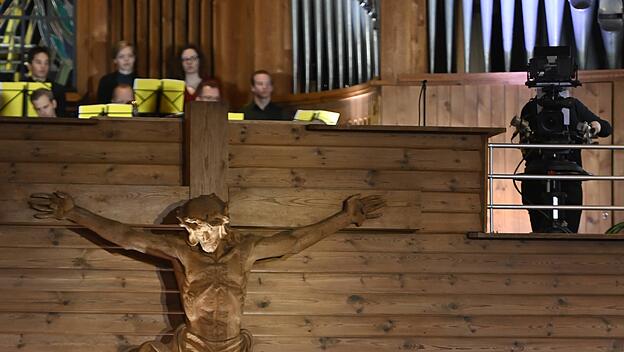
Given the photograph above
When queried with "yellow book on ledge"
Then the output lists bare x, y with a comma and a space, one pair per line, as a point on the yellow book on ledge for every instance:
236, 116
327, 117
105, 110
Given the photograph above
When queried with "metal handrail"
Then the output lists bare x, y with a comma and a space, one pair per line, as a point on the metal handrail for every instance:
491, 177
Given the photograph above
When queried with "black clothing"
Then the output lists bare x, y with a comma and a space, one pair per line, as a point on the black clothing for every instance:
578, 113
534, 192
270, 112
108, 84
59, 95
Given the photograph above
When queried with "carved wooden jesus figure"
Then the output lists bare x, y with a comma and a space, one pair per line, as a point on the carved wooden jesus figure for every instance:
212, 265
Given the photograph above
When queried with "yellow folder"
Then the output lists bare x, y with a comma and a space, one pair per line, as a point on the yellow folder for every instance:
105, 110
236, 116
89, 111
12, 98
172, 99
146, 94
327, 117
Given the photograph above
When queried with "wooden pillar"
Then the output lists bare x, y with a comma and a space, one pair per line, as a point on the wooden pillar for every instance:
207, 149
403, 38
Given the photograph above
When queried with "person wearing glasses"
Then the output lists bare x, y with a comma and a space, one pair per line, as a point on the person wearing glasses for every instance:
193, 73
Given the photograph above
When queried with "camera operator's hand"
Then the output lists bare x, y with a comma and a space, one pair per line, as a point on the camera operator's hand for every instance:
595, 128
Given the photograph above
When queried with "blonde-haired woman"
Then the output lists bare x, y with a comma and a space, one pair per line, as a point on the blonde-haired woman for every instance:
124, 58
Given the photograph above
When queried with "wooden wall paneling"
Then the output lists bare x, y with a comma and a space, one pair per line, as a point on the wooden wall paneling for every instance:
595, 161
234, 48
458, 107
88, 302
606, 166
618, 156
287, 134
343, 178
448, 262
129, 21
440, 326
65, 343
193, 21
300, 207
110, 343
511, 157
470, 106
82, 40
91, 152
180, 24
154, 39
134, 130
444, 106
142, 37
355, 158
398, 105
169, 23
116, 27
343, 304
403, 41
78, 173
524, 285
372, 240
431, 118
125, 203
273, 42
84, 280
137, 324
205, 34
74, 259
98, 44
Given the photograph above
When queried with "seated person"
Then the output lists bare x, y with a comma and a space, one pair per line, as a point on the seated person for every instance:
208, 91
124, 58
123, 94
192, 71
44, 102
38, 64
261, 107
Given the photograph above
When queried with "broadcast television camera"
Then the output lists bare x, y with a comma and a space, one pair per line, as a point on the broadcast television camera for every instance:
552, 70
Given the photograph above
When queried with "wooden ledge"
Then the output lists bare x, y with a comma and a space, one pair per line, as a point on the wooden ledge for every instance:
486, 131
545, 236
503, 78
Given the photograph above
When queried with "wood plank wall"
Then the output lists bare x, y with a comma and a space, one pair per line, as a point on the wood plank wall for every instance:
491, 101
62, 289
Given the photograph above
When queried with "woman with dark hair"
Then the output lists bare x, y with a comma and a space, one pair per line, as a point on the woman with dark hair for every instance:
124, 58
191, 70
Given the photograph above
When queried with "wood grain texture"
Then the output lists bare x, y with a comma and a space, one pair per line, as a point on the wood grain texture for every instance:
355, 158
403, 43
130, 204
108, 343
282, 207
435, 181
208, 149
112, 174
166, 130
